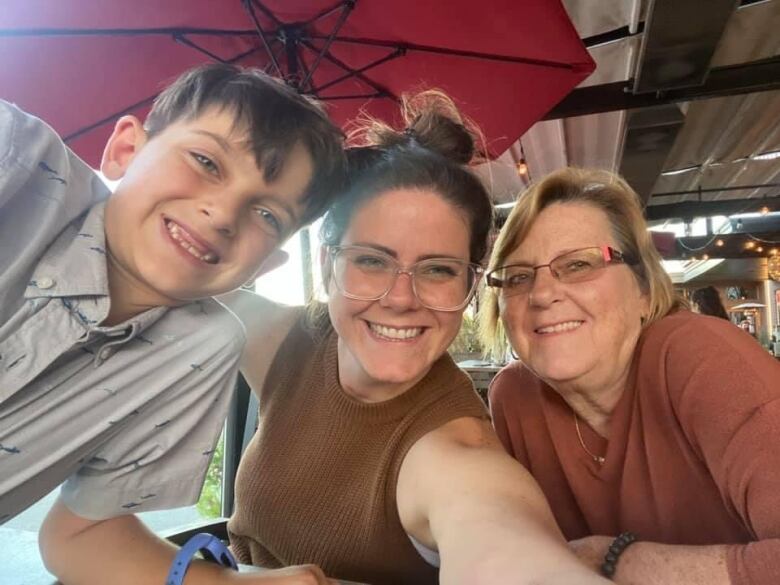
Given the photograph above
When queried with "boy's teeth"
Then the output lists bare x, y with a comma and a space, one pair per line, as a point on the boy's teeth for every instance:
176, 234
567, 326
393, 333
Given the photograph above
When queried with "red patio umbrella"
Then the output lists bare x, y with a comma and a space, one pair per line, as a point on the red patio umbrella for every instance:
80, 64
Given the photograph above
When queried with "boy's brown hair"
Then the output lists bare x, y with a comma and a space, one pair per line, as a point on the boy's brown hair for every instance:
274, 117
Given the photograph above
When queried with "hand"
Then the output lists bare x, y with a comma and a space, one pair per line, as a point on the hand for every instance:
591, 550
297, 575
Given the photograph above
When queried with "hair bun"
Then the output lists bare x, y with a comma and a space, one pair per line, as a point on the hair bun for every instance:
432, 121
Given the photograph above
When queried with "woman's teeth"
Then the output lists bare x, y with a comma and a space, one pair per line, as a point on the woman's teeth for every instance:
393, 333
560, 327
177, 234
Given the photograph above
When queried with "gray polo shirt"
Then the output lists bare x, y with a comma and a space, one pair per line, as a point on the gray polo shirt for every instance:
127, 415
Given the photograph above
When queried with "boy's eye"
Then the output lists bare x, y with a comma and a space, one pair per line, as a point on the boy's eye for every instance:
204, 161
269, 219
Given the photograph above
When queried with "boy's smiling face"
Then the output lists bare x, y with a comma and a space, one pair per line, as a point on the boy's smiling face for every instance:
193, 215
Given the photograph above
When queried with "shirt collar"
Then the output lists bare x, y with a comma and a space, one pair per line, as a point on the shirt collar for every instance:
75, 263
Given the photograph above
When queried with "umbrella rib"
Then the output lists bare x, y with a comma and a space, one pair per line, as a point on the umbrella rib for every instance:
264, 9
324, 13
249, 7
171, 31
185, 41
143, 102
367, 80
346, 10
122, 32
394, 55
452, 52
358, 96
305, 69
109, 118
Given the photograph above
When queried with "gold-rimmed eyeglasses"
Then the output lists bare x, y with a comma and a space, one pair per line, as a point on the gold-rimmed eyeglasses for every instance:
366, 274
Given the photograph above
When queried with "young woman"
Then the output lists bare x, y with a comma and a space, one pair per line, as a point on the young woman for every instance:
374, 457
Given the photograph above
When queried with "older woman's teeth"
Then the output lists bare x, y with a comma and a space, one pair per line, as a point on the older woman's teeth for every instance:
393, 333
176, 234
560, 327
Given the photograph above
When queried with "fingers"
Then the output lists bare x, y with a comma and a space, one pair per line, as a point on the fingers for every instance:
297, 575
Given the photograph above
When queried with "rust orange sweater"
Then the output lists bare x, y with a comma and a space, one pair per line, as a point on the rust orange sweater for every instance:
694, 450
317, 483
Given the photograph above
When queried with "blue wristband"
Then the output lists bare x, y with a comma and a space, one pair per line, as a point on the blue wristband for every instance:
209, 546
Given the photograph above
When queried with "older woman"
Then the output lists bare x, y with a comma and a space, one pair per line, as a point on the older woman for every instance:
634, 415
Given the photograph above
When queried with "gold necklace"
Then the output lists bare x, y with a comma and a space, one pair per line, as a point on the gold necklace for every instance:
597, 458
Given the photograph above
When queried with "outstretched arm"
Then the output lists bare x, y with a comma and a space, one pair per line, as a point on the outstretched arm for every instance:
267, 324
459, 492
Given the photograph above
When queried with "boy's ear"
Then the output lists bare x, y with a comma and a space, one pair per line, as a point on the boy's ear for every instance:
124, 143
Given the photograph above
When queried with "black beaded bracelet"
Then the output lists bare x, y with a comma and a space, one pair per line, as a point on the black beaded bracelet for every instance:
617, 547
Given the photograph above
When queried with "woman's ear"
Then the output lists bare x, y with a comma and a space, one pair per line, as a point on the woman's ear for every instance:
125, 142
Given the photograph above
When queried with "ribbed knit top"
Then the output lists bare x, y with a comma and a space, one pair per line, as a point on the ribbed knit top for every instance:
317, 484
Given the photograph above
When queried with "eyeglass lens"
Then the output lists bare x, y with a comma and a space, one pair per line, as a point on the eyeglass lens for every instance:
440, 283
576, 266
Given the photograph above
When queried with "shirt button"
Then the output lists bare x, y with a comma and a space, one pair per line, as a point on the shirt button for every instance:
45, 282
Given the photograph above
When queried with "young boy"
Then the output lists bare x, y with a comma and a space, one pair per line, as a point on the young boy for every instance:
116, 365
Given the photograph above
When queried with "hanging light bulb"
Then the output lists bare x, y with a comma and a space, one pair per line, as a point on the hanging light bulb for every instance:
764, 210
759, 249
773, 267
522, 168
773, 252
719, 243
750, 245
705, 256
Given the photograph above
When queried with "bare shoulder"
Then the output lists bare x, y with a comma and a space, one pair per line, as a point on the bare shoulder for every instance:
461, 434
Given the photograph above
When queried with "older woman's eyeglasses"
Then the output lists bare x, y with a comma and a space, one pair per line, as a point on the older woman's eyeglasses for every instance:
366, 274
575, 266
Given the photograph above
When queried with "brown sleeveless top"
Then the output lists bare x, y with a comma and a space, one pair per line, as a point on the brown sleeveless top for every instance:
317, 484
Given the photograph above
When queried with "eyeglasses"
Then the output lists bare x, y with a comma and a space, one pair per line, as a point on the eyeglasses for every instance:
575, 266
366, 274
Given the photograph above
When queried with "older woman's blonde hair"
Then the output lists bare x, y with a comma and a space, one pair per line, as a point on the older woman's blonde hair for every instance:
612, 195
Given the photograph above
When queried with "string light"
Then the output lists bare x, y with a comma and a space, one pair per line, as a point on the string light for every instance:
719, 243
764, 210
759, 249
522, 168
750, 245
705, 257
773, 267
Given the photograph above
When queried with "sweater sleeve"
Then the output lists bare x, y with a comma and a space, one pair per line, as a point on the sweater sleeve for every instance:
726, 393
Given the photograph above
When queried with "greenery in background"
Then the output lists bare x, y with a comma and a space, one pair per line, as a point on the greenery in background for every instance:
467, 340
210, 502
